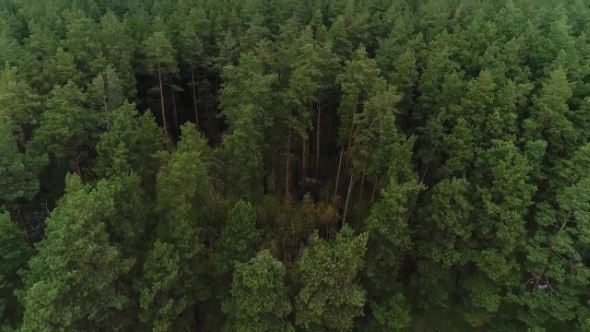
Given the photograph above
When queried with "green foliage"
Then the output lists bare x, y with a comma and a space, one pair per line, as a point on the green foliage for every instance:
67, 130
81, 39
242, 150
452, 136
389, 234
160, 55
59, 69
182, 214
139, 139
71, 278
18, 172
106, 93
258, 300
249, 114
358, 81
117, 49
16, 254
393, 315
239, 238
330, 296
20, 105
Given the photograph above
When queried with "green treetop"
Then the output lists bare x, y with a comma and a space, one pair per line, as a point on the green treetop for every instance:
71, 283
330, 296
258, 300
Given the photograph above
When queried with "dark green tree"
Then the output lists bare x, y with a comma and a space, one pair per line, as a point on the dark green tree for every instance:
183, 212
240, 237
18, 171
21, 106
67, 131
16, 254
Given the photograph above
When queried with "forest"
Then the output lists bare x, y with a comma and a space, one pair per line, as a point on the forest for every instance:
294, 165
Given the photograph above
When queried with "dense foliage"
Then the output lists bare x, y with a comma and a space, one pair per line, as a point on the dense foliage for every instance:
290, 165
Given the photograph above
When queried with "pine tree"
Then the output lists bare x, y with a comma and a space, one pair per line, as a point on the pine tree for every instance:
161, 61
137, 135
182, 215
258, 300
59, 69
303, 89
18, 171
240, 237
20, 105
389, 230
503, 196
249, 114
330, 296
81, 39
16, 254
357, 81
193, 35
242, 150
72, 280
117, 49
553, 258
67, 130
105, 93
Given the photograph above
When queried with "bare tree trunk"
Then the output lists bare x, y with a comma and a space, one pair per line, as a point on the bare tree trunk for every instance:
162, 101
331, 123
338, 174
362, 186
349, 148
78, 169
317, 143
537, 280
304, 162
287, 166
347, 199
194, 88
374, 190
176, 128
22, 222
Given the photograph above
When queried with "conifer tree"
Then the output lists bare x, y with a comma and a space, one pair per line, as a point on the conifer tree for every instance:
330, 296
16, 254
182, 215
258, 300
71, 283
160, 61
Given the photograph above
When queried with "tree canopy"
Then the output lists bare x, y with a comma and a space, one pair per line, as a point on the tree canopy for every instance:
289, 165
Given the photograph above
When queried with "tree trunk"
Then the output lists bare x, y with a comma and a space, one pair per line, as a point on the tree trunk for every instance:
304, 160
176, 128
338, 174
162, 101
362, 186
194, 88
374, 190
331, 124
317, 143
544, 269
347, 199
78, 169
22, 222
537, 280
287, 166
349, 147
